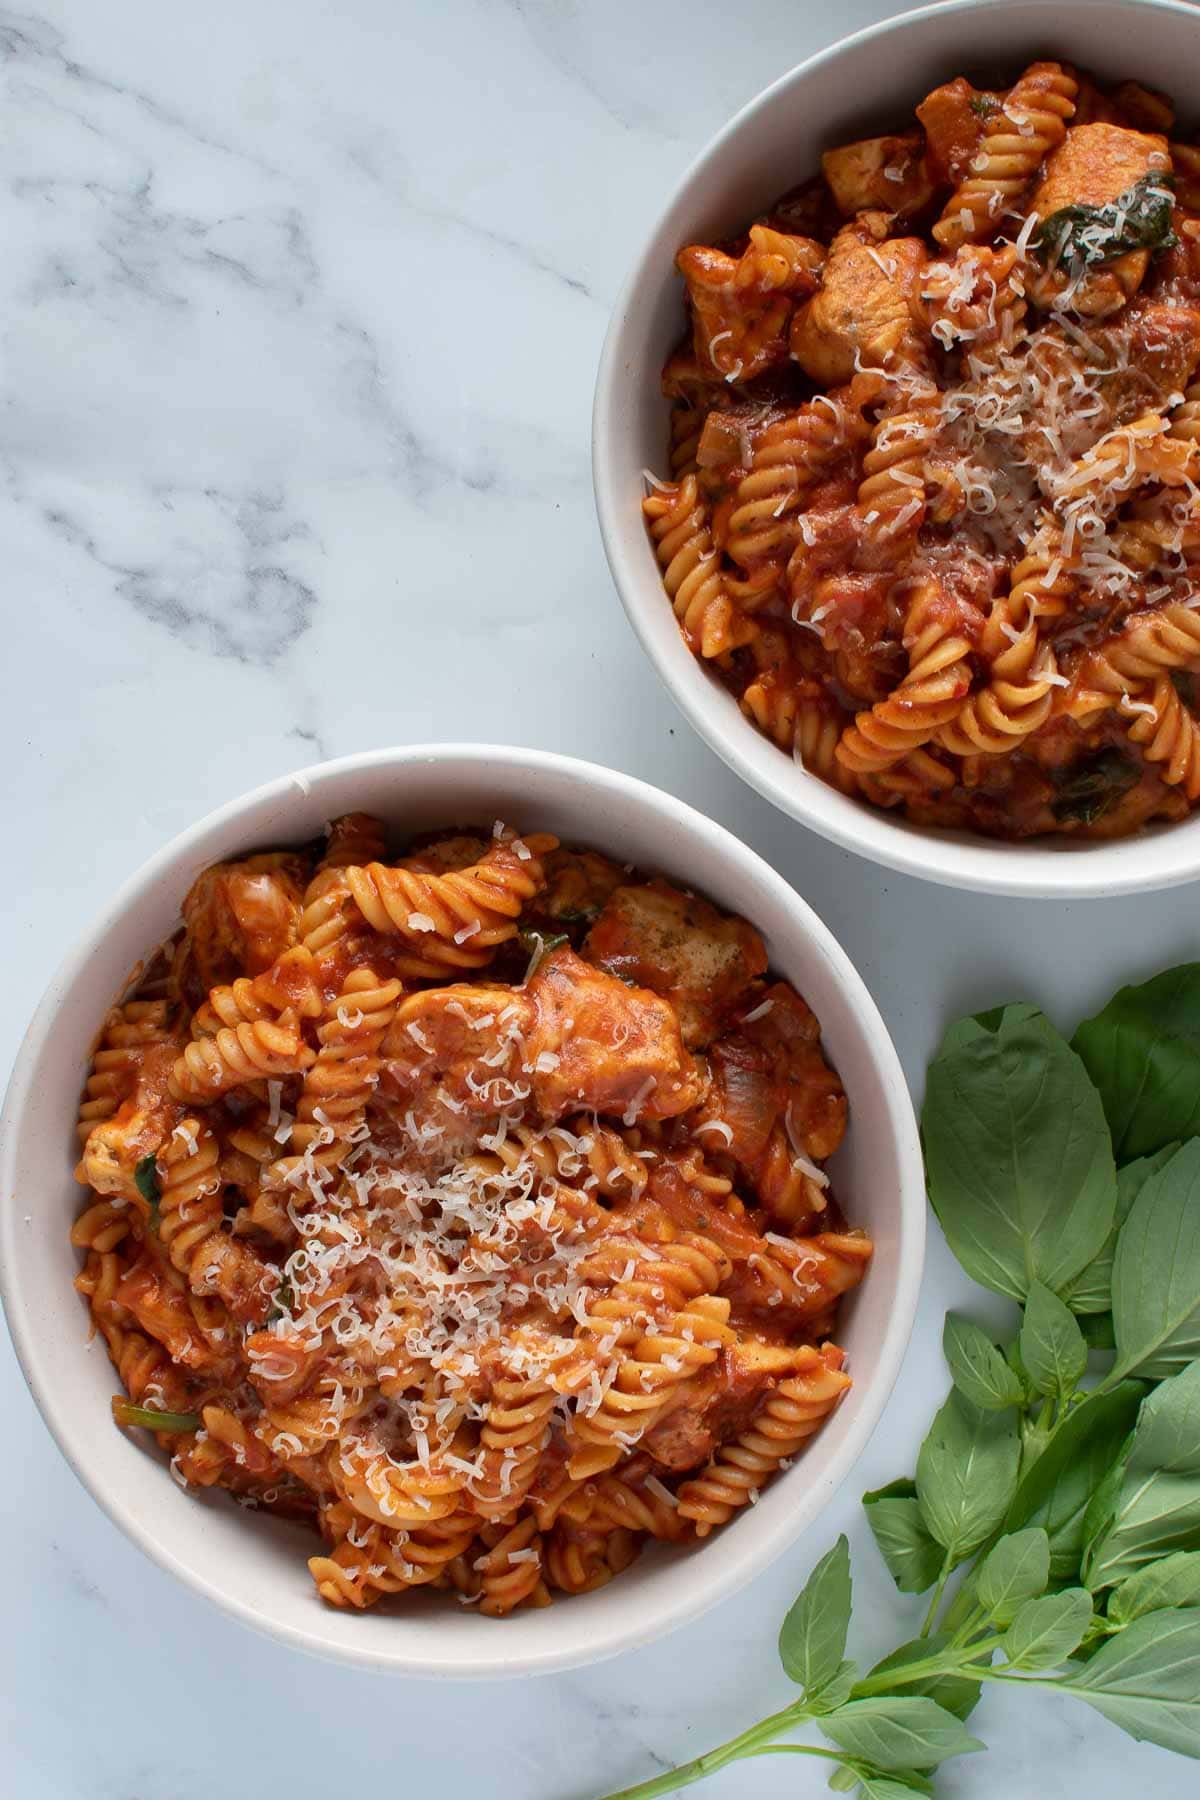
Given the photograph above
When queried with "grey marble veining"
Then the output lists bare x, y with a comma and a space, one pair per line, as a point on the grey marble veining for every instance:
300, 309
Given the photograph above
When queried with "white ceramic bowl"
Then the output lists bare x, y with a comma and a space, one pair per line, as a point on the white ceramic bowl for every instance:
255, 1567
860, 86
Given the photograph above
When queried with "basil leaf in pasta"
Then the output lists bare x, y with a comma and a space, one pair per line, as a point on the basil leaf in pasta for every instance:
1088, 787
1147, 1680
154, 1418
1055, 1491
1156, 1271
1020, 1168
145, 1178
899, 1732
1052, 1345
1138, 219
1171, 1581
1046, 1631
812, 1638
1017, 1569
1155, 1505
1142, 1051
978, 1368
913, 1557
966, 1474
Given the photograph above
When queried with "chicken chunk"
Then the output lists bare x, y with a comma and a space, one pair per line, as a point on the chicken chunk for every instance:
866, 310
578, 883
597, 1044
769, 1067
574, 1038
241, 917
742, 306
679, 946
889, 173
955, 118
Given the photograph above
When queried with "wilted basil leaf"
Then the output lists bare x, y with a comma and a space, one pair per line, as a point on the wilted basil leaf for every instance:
1138, 219
1020, 1168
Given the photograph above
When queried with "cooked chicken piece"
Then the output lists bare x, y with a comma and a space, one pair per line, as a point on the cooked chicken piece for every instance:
865, 313
679, 946
242, 916
955, 117
890, 173
448, 853
742, 306
771, 1069
573, 1039
596, 1044
578, 882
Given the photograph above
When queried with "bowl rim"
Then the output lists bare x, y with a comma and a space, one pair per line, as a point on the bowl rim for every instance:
720, 846
1055, 868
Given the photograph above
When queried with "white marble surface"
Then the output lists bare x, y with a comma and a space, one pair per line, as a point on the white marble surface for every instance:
301, 307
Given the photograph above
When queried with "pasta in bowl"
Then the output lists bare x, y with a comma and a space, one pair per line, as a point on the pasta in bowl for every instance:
461, 1194
924, 500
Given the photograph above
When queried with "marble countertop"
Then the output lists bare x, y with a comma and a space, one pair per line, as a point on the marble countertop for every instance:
301, 310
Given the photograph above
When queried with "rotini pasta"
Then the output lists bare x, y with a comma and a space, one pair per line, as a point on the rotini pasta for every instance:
491, 1280
934, 467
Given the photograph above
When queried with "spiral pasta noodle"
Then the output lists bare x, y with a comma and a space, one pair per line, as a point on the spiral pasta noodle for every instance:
1032, 124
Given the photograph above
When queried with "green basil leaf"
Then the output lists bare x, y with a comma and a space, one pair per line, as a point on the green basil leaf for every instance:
1097, 1329
1091, 1291
1054, 1492
1021, 1173
1157, 1505
1052, 1346
1156, 1271
914, 1559
1172, 1581
1147, 1680
145, 1179
1015, 1570
1045, 1631
154, 1418
843, 1779
877, 1786
955, 1692
899, 1731
978, 1368
1143, 1053
966, 1474
812, 1638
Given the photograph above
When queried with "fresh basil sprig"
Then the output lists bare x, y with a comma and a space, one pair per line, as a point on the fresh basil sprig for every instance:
1054, 1517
